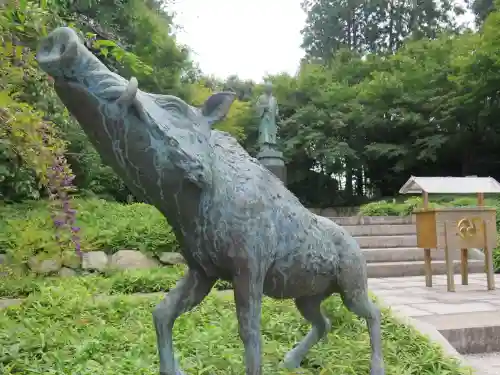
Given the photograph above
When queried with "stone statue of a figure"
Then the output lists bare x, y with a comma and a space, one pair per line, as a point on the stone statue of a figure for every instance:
267, 110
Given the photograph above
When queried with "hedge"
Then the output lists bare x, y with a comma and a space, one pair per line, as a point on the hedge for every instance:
26, 229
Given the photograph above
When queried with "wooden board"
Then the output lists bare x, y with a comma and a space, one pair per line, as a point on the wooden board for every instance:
426, 230
431, 233
467, 229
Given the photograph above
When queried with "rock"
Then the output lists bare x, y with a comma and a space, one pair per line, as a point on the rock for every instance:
43, 265
95, 260
71, 259
172, 258
131, 259
67, 272
4, 303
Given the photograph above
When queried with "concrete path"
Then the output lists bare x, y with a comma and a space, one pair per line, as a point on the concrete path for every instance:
487, 364
469, 319
410, 296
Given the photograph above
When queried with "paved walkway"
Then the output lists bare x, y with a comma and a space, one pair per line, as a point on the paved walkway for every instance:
468, 318
487, 364
410, 296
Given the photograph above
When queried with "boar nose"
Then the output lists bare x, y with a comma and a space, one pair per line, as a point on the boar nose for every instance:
59, 48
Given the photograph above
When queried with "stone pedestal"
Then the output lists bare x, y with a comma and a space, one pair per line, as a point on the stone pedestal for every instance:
273, 160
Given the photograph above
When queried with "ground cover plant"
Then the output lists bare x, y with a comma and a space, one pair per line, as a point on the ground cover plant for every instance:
112, 282
63, 330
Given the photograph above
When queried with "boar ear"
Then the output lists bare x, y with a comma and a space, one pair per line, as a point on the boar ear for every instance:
128, 96
217, 106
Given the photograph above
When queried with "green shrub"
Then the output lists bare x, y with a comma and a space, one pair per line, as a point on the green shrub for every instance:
397, 208
496, 260
381, 208
64, 330
394, 208
27, 229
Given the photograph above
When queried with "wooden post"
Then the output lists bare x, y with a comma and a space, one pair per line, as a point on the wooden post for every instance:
464, 266
488, 259
450, 278
480, 199
427, 252
480, 203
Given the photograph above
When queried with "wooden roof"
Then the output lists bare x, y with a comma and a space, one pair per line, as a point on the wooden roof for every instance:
450, 185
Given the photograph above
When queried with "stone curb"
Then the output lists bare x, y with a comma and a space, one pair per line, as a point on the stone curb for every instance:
431, 333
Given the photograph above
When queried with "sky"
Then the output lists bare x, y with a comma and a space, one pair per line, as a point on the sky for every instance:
247, 38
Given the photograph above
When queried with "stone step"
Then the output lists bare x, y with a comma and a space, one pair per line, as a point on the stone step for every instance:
381, 229
403, 269
371, 220
470, 332
376, 242
401, 254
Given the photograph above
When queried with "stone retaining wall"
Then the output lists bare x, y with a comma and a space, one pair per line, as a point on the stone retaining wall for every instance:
69, 264
336, 211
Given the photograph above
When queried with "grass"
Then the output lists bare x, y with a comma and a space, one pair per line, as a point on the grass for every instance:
62, 330
118, 282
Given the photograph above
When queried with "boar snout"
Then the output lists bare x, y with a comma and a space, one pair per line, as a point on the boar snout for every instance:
58, 50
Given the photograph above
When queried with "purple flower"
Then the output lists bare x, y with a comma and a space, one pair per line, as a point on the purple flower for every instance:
60, 181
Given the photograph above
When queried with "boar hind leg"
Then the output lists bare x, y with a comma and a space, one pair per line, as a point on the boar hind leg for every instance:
310, 309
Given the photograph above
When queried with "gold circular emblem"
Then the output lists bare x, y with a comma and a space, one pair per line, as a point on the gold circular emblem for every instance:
466, 228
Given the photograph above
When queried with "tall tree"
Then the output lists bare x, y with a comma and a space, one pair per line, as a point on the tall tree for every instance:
376, 26
481, 9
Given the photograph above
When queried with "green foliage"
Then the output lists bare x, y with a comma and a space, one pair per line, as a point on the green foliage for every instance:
25, 137
143, 28
372, 26
405, 208
239, 116
382, 208
61, 329
104, 225
386, 208
358, 125
386, 91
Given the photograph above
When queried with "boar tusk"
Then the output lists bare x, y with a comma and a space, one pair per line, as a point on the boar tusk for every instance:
129, 94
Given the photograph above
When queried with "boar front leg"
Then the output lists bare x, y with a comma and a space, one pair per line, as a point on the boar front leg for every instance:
187, 294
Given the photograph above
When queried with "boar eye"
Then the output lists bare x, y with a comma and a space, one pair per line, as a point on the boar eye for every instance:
172, 142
